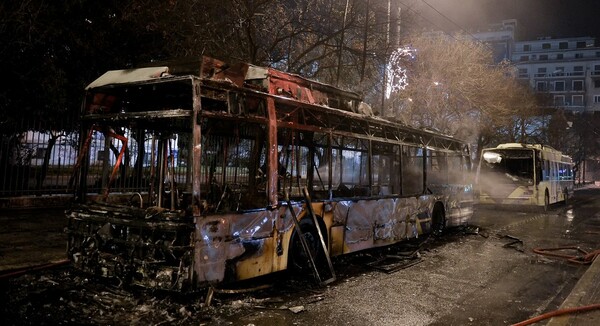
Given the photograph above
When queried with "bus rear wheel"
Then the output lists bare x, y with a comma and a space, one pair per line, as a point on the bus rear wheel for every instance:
298, 260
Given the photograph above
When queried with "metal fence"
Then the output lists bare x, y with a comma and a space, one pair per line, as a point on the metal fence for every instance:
34, 160
37, 161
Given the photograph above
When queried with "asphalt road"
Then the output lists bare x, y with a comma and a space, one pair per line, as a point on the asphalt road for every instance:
486, 274
30, 237
489, 277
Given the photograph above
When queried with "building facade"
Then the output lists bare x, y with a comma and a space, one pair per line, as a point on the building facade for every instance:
500, 38
568, 69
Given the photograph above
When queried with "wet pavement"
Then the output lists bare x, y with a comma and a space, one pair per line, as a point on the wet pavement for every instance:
587, 290
472, 276
585, 293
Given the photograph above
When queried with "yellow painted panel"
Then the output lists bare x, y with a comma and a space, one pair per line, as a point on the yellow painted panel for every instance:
260, 264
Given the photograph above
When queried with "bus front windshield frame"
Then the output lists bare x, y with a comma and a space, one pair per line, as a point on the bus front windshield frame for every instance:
510, 166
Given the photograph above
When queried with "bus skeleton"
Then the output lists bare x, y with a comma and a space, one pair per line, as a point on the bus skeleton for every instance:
247, 171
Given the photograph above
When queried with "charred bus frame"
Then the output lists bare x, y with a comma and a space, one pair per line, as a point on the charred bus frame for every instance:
267, 164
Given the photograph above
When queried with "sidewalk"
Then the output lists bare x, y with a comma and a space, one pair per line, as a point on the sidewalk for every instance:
585, 292
31, 237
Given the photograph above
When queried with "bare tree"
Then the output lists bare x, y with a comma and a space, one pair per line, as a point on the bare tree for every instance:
454, 87
558, 133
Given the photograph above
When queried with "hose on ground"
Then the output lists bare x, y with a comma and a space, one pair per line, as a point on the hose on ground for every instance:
557, 313
585, 259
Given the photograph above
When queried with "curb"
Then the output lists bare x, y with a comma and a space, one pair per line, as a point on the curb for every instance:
585, 292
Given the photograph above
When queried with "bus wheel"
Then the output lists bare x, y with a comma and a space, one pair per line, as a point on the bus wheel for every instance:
298, 260
546, 201
438, 217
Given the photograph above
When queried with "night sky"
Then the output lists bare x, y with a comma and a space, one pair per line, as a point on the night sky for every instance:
536, 18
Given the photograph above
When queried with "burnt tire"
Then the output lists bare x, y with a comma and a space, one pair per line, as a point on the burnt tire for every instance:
298, 260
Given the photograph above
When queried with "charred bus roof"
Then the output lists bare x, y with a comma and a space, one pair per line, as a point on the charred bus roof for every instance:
140, 93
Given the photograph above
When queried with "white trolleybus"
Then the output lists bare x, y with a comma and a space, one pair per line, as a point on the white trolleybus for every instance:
524, 174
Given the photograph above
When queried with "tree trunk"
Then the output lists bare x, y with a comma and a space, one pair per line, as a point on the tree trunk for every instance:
42, 176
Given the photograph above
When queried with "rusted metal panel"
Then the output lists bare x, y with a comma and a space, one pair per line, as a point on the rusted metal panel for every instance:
196, 148
272, 155
311, 92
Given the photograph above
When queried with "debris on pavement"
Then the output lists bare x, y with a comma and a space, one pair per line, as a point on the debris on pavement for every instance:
297, 309
515, 243
391, 263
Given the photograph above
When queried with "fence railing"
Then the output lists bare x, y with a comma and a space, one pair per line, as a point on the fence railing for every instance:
35, 160
38, 161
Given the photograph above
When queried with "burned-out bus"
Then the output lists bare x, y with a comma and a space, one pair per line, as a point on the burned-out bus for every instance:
524, 174
204, 173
